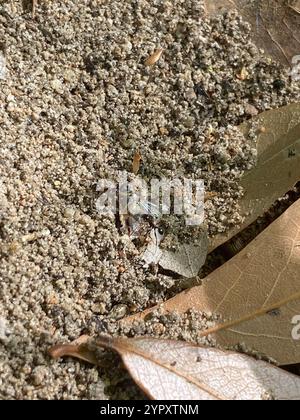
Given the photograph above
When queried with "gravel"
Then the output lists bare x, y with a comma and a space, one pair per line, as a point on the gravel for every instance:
76, 103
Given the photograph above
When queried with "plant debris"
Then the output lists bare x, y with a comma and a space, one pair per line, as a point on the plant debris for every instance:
249, 309
136, 163
153, 59
174, 370
3, 70
34, 4
275, 24
78, 102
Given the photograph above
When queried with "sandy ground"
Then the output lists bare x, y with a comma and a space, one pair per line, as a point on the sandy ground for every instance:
76, 103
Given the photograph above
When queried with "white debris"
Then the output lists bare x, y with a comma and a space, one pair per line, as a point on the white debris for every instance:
3, 69
3, 328
3, 197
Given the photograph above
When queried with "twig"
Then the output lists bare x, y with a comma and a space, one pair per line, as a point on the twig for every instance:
34, 4
136, 162
250, 317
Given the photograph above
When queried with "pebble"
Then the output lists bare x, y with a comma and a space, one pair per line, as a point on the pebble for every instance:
57, 86
118, 311
69, 212
251, 110
99, 308
39, 375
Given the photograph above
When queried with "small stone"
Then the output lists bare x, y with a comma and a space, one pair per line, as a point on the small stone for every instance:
118, 311
190, 95
112, 91
69, 76
251, 110
127, 142
39, 374
35, 116
57, 86
11, 106
99, 308
243, 75
46, 55
159, 328
127, 46
188, 122
86, 220
163, 131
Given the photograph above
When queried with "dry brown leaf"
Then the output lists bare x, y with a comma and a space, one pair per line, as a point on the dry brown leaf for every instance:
78, 348
136, 163
153, 58
175, 370
295, 5
185, 261
275, 24
277, 169
257, 292
214, 7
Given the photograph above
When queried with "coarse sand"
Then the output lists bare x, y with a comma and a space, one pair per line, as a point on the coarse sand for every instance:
76, 104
